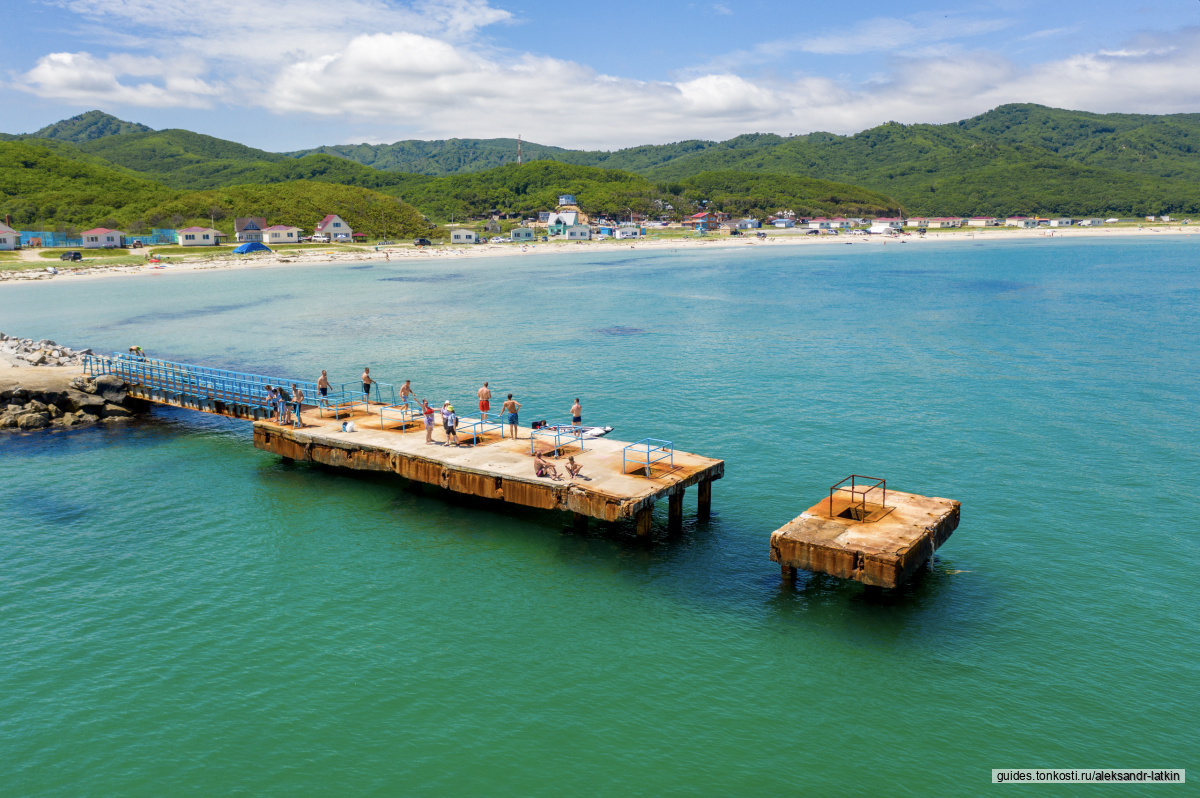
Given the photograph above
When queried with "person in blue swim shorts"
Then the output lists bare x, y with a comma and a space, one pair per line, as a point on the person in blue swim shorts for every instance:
510, 408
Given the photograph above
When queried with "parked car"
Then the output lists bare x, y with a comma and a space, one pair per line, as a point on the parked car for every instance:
320, 239
545, 238
71, 256
422, 242
137, 244
497, 240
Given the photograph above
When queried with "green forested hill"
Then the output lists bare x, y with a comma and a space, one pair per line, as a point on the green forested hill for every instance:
1014, 159
41, 189
1018, 158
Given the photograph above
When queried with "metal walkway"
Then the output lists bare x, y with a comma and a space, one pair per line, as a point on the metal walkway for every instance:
240, 394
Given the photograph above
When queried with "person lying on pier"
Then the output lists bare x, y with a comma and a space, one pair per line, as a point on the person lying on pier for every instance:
574, 468
544, 468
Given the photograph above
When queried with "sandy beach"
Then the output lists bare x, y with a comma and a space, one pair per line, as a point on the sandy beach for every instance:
318, 257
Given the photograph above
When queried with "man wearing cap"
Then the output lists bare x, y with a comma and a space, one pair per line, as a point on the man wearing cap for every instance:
450, 423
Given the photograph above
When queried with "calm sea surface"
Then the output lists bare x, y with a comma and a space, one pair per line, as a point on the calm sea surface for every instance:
183, 614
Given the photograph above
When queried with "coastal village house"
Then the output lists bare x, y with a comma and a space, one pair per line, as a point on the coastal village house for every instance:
702, 221
894, 223
983, 221
197, 237
1090, 222
748, 224
628, 231
462, 237
784, 223
522, 234
248, 228
829, 224
333, 226
1020, 221
101, 237
1061, 222
9, 238
917, 221
281, 234
943, 222
578, 232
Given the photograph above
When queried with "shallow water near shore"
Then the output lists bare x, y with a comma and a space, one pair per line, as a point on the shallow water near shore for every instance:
183, 614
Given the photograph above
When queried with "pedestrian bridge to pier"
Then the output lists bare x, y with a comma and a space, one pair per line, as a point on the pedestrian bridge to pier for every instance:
619, 480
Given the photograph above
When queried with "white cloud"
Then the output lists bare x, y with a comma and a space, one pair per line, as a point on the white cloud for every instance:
436, 79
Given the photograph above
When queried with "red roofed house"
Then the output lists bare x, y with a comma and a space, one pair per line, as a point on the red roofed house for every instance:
101, 237
281, 234
197, 237
248, 228
333, 226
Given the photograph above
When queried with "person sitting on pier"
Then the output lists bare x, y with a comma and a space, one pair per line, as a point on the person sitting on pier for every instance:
544, 468
574, 468
297, 401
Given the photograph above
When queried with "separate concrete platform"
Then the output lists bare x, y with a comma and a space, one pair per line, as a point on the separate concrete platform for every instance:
883, 549
497, 468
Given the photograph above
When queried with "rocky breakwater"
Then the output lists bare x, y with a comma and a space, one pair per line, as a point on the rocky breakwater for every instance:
79, 401
41, 353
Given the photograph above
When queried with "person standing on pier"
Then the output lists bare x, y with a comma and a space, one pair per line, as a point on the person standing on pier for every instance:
406, 391
297, 401
576, 413
323, 384
450, 422
485, 400
510, 409
427, 411
366, 381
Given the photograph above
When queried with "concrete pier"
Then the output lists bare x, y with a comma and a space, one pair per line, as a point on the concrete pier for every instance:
500, 469
881, 546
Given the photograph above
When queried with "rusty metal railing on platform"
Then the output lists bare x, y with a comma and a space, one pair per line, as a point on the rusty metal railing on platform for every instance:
859, 492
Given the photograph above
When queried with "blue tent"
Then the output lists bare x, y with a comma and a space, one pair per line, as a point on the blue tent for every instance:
252, 246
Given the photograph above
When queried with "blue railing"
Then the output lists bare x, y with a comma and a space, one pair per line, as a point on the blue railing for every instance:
404, 412
559, 433
478, 428
648, 451
232, 387
50, 238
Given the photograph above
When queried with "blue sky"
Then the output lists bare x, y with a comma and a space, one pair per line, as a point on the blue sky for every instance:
289, 75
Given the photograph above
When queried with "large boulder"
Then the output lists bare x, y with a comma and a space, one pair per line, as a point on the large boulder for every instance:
33, 421
34, 406
82, 383
86, 418
8, 421
20, 396
111, 387
55, 411
84, 401
111, 410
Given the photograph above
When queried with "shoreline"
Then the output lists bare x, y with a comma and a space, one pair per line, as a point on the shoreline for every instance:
450, 253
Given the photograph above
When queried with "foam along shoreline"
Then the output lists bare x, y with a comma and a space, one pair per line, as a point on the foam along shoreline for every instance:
450, 252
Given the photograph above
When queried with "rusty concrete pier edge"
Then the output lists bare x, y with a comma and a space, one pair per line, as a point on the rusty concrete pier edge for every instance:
531, 492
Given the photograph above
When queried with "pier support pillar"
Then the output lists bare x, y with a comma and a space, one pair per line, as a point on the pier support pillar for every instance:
581, 523
704, 500
788, 573
643, 522
675, 514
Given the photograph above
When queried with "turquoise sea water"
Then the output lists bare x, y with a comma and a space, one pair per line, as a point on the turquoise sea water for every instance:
183, 614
